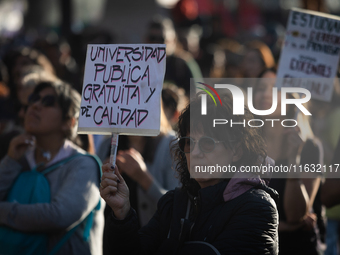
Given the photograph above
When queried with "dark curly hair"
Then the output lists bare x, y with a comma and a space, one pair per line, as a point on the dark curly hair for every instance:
248, 138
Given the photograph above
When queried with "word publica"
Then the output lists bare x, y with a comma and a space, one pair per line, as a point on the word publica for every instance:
122, 53
115, 117
117, 73
238, 100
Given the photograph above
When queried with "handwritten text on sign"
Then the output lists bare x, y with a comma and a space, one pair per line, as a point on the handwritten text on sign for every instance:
122, 88
311, 50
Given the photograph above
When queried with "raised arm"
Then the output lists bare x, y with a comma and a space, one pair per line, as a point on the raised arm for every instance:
300, 192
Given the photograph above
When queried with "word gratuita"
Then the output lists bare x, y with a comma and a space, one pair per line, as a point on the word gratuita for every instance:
114, 94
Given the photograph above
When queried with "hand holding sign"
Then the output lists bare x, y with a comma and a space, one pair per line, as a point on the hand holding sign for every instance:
114, 191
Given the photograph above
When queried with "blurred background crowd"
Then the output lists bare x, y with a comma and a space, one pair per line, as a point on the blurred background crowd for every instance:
46, 39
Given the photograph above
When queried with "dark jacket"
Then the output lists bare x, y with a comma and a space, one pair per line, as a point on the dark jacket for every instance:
246, 224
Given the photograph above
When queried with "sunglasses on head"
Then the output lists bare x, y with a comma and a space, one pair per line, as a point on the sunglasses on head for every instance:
206, 144
47, 101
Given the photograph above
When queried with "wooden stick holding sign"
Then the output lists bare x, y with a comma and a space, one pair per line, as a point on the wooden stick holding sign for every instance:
114, 146
122, 91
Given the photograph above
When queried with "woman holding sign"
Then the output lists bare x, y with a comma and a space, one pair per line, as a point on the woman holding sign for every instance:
212, 214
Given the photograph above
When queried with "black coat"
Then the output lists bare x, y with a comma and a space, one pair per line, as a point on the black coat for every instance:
246, 224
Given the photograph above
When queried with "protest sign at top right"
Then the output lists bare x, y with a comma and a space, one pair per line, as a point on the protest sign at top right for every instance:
310, 53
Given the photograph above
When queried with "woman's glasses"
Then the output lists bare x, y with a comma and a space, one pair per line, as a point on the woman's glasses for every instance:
205, 143
47, 101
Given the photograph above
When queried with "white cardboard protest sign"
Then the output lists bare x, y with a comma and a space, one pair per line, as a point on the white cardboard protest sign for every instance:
122, 89
310, 53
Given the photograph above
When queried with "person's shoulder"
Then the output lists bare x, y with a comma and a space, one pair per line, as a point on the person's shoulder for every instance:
72, 148
167, 200
262, 195
259, 198
168, 197
80, 157
255, 207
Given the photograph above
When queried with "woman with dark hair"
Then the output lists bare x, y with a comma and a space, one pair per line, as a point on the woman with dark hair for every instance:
50, 123
212, 214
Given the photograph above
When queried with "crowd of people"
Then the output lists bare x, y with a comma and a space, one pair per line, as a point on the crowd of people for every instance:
148, 203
